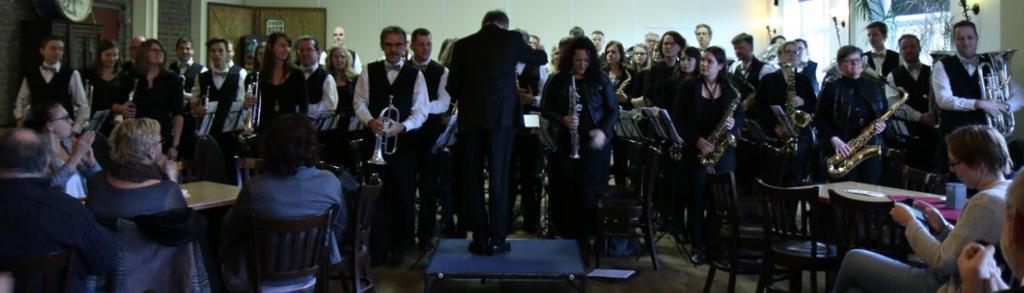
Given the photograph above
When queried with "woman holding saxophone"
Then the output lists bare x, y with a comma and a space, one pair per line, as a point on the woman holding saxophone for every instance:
847, 107
793, 93
707, 113
580, 165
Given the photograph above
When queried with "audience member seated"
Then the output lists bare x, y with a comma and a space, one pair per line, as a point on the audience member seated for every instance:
978, 156
37, 220
290, 187
979, 271
152, 222
71, 159
136, 182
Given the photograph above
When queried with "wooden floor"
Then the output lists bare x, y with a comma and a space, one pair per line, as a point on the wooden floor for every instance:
676, 275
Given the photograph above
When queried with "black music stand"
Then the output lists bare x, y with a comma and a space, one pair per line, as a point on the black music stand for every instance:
784, 120
207, 121
447, 138
326, 121
235, 120
97, 120
660, 126
628, 127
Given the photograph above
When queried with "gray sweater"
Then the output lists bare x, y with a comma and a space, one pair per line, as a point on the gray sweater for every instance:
980, 219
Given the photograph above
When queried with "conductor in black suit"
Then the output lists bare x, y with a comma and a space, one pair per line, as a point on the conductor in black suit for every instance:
482, 80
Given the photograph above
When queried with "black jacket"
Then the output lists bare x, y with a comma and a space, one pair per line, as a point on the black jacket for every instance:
598, 99
482, 77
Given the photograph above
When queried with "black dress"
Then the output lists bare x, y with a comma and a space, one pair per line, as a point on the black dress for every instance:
162, 101
104, 93
287, 97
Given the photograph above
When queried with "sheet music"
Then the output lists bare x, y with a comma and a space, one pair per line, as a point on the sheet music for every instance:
207, 120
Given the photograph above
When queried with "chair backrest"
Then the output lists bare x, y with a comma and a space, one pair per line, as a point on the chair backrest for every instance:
892, 171
919, 180
209, 160
721, 202
635, 152
54, 270
867, 224
247, 168
651, 164
789, 212
368, 193
282, 249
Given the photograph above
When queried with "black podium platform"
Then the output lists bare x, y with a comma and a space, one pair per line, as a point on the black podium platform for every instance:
531, 259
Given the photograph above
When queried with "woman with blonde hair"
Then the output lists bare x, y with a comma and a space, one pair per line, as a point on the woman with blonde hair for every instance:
979, 157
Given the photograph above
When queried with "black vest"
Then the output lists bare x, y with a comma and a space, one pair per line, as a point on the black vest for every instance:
754, 72
380, 90
190, 74
432, 75
917, 88
56, 90
315, 85
964, 85
224, 96
811, 71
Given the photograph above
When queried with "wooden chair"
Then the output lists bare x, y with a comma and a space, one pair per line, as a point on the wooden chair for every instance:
368, 194
54, 270
634, 172
794, 229
923, 181
893, 162
868, 225
282, 249
246, 168
634, 212
738, 249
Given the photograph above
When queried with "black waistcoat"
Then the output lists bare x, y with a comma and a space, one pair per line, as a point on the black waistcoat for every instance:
381, 91
917, 88
190, 74
56, 90
964, 85
224, 96
315, 85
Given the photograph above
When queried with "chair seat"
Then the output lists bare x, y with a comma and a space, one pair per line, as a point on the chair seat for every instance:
616, 191
746, 231
749, 261
802, 249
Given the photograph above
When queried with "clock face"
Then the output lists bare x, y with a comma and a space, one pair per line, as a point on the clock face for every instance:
74, 10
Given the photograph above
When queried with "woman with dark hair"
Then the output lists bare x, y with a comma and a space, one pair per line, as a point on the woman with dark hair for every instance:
848, 105
978, 156
618, 72
700, 109
105, 79
688, 67
282, 85
257, 62
658, 83
158, 94
291, 187
579, 179
70, 159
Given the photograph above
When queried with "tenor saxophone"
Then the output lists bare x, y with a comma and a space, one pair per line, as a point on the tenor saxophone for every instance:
625, 83
799, 118
721, 138
838, 166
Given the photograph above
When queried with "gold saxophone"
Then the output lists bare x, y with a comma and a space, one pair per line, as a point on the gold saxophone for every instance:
721, 138
839, 166
799, 118
625, 83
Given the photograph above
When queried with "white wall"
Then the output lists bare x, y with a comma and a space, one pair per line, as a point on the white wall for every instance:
623, 20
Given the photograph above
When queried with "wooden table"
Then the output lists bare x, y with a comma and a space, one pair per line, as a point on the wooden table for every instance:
844, 187
206, 195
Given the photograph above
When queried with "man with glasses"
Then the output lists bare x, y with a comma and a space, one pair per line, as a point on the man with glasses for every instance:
774, 91
393, 81
52, 82
915, 121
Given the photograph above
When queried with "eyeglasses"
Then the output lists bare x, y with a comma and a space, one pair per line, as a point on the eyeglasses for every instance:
953, 164
65, 118
854, 61
793, 52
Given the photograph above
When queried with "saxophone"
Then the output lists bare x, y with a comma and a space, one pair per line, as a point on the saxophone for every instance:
625, 83
721, 138
839, 166
798, 118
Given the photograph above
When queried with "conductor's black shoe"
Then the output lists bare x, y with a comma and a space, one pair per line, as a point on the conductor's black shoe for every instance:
501, 248
478, 247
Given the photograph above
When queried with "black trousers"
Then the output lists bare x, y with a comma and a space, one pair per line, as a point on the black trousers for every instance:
695, 216
576, 193
394, 211
489, 223
869, 171
526, 180
434, 179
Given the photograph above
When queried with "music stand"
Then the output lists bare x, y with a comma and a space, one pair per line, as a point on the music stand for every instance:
207, 121
235, 120
97, 120
326, 121
627, 127
447, 138
660, 125
671, 135
787, 124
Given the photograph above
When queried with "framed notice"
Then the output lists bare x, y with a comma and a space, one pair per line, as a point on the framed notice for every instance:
275, 26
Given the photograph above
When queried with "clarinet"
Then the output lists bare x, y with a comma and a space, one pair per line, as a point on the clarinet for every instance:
574, 110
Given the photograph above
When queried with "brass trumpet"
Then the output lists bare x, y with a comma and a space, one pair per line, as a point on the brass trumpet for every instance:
385, 145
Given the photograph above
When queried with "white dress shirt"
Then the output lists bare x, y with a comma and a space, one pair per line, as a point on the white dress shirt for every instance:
219, 76
439, 106
23, 103
329, 98
540, 81
417, 114
944, 92
879, 59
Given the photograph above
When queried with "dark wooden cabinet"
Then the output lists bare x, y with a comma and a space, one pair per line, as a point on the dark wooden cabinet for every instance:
80, 42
